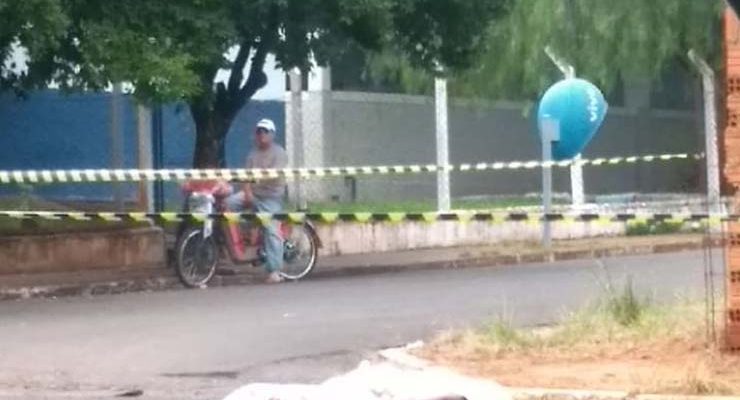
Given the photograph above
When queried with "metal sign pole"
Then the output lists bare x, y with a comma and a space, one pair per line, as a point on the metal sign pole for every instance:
442, 144
576, 183
550, 133
577, 187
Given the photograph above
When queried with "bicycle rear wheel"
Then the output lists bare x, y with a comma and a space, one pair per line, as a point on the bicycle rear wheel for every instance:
301, 251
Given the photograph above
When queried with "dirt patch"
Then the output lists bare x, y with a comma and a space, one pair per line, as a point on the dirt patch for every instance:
662, 354
671, 367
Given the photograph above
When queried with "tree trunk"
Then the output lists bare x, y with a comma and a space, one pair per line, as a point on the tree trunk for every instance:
211, 128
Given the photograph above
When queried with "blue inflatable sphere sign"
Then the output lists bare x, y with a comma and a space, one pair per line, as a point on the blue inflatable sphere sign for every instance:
580, 109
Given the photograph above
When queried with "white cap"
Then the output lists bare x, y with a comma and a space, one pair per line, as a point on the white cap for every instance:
266, 124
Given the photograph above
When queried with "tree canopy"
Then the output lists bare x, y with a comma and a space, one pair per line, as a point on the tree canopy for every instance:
604, 40
735, 4
172, 50
35, 26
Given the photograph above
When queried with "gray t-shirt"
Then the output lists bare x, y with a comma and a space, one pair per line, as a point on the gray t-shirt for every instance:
274, 157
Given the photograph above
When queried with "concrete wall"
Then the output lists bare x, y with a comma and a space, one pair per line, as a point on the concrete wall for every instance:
117, 250
346, 238
394, 129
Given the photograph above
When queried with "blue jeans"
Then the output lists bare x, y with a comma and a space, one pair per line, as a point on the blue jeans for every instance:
272, 242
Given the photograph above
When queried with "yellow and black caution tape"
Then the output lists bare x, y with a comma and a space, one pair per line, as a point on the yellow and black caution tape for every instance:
361, 217
136, 175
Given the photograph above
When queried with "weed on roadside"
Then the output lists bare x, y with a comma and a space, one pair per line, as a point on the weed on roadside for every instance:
618, 317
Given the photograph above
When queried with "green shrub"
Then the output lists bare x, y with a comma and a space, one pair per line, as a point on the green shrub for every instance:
653, 228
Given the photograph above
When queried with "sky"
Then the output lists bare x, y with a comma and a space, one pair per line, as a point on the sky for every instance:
275, 89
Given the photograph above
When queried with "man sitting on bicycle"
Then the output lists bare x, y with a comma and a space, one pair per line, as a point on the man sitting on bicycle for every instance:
265, 196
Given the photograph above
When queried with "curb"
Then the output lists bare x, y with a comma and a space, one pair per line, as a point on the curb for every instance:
498, 260
123, 285
166, 279
565, 394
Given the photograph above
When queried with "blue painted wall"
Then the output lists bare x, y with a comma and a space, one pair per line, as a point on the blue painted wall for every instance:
179, 133
179, 139
50, 130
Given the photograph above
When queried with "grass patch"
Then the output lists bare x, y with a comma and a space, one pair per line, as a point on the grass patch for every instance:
28, 202
699, 384
625, 308
621, 342
620, 317
24, 201
24, 227
641, 228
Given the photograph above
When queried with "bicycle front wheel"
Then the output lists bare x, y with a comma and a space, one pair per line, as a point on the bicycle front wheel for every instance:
197, 258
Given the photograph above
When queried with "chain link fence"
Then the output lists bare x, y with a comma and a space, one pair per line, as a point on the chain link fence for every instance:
340, 129
358, 129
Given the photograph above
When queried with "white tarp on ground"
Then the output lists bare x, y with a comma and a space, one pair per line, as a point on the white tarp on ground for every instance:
382, 381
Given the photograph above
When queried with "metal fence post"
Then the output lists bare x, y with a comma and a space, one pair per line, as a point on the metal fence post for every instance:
442, 144
158, 155
116, 142
144, 141
710, 132
295, 140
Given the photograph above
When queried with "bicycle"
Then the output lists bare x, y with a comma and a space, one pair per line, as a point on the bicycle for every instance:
200, 246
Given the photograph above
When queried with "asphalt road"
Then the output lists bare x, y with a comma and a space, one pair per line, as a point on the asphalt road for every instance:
204, 343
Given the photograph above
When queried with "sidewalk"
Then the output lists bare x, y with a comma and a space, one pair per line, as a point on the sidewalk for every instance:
114, 282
